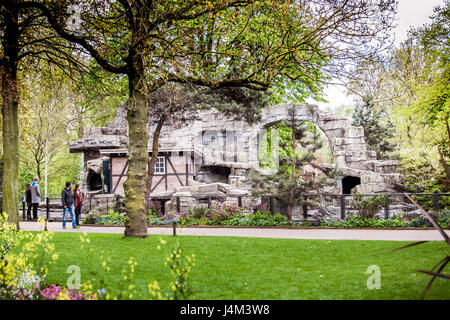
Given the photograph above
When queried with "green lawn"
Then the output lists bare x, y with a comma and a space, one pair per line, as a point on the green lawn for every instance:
256, 268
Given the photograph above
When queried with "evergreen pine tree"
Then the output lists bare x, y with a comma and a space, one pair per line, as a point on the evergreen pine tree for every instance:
377, 131
298, 144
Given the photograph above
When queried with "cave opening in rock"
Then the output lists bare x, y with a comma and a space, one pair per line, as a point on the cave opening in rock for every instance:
216, 173
348, 183
94, 181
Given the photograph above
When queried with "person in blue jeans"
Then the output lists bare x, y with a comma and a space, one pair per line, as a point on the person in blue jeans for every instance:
67, 199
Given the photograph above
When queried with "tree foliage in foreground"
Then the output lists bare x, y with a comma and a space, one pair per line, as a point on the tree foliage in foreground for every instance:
218, 44
423, 63
411, 85
26, 40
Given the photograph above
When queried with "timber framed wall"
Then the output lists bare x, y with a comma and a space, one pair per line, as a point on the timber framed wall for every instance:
179, 168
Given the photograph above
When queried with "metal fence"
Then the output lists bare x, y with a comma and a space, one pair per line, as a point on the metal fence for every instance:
339, 205
343, 205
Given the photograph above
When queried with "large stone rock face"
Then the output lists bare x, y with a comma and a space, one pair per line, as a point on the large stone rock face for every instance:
221, 142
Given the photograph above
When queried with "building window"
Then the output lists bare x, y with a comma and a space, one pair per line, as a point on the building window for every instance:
160, 165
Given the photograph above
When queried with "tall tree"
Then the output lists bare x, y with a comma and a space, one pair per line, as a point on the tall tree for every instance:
433, 99
25, 39
47, 116
218, 44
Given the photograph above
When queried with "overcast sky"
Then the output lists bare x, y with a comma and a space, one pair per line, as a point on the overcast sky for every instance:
410, 13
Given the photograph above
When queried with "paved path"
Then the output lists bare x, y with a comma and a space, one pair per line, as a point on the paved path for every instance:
328, 234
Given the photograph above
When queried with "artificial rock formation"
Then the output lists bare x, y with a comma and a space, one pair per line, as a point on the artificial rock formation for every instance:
226, 150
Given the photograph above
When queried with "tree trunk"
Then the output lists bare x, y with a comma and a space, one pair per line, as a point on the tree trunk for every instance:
151, 165
443, 160
135, 184
38, 169
293, 144
10, 103
80, 122
289, 211
447, 126
446, 167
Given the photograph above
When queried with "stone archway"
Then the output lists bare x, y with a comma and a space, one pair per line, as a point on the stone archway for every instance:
344, 139
347, 143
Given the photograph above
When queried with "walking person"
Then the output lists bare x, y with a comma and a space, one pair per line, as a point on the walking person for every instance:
35, 197
28, 200
67, 199
79, 197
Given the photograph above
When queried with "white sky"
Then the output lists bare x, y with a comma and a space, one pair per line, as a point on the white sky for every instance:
410, 13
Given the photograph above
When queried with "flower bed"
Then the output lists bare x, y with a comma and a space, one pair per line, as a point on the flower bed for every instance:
229, 214
395, 222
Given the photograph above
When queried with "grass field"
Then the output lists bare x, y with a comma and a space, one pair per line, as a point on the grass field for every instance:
257, 268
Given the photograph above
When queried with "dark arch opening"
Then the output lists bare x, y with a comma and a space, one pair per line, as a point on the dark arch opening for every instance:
348, 183
94, 181
216, 173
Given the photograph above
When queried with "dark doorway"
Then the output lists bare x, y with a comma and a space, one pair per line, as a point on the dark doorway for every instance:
348, 183
94, 181
216, 173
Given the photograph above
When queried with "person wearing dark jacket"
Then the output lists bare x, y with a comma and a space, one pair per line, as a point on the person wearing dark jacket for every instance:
67, 199
28, 200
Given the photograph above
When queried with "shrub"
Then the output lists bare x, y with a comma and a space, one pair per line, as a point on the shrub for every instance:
155, 208
257, 219
264, 212
153, 219
358, 222
91, 218
398, 221
444, 219
199, 212
367, 208
24, 261
222, 211
112, 218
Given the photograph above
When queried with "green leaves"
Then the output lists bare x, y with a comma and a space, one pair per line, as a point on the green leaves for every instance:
297, 170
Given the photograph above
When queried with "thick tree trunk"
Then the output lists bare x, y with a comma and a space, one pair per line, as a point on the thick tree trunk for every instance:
135, 184
10, 103
151, 165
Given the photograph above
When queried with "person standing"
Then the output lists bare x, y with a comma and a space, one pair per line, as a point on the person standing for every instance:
35, 197
68, 204
28, 200
79, 197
